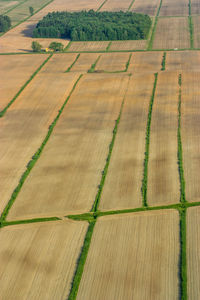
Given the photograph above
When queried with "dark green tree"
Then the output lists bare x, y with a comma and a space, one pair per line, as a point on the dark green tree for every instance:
5, 23
31, 10
36, 46
56, 46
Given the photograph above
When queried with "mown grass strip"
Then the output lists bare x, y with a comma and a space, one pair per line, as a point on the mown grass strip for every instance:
81, 262
183, 255
131, 4
163, 61
148, 131
191, 29
104, 2
93, 66
69, 69
36, 220
180, 151
105, 170
35, 157
108, 47
154, 28
2, 113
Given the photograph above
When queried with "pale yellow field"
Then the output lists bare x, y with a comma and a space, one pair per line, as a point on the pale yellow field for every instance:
148, 7
77, 150
89, 46
112, 62
116, 5
196, 26
195, 7
84, 62
183, 61
193, 259
122, 188
174, 8
190, 134
128, 45
26, 123
163, 177
133, 256
38, 260
6, 5
172, 33
145, 62
14, 72
58, 63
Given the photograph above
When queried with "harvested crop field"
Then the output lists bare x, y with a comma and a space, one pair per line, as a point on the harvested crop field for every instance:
128, 45
122, 188
84, 62
183, 61
193, 238
172, 33
116, 5
58, 63
174, 8
127, 256
88, 46
163, 177
112, 62
195, 7
35, 257
148, 7
190, 134
15, 71
145, 62
77, 149
196, 35
7, 5
26, 123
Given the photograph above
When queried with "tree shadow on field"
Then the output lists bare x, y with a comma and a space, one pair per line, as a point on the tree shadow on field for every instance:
28, 32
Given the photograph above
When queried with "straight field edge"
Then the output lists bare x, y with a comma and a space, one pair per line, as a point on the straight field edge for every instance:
183, 255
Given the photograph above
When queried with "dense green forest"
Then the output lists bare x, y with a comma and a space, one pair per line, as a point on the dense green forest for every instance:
5, 23
94, 26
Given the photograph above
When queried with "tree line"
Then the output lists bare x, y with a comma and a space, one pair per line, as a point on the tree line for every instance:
94, 26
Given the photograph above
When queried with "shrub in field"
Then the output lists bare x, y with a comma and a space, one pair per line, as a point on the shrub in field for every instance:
5, 23
31, 10
36, 46
56, 46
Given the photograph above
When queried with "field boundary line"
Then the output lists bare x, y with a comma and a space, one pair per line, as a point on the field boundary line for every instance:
28, 221
131, 4
102, 4
163, 61
3, 111
93, 66
147, 144
150, 45
183, 255
69, 69
191, 30
36, 156
67, 47
108, 47
120, 71
105, 170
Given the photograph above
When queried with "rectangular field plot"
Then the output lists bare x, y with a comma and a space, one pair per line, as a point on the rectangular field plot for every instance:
88, 46
145, 62
70, 167
190, 117
38, 261
183, 61
133, 256
84, 62
14, 72
196, 35
148, 7
163, 178
58, 63
112, 62
172, 33
25, 125
116, 5
193, 255
195, 7
174, 8
122, 188
128, 45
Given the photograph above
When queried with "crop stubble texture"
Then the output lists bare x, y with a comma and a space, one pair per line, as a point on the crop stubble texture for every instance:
38, 260
128, 45
122, 188
174, 8
195, 7
127, 256
89, 46
112, 62
163, 179
183, 61
66, 177
148, 7
145, 62
116, 5
84, 62
196, 35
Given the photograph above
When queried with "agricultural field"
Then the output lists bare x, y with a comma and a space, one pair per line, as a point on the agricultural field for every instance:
6, 5
116, 5
195, 7
183, 61
196, 25
112, 62
145, 62
148, 7
174, 8
83, 62
128, 45
88, 46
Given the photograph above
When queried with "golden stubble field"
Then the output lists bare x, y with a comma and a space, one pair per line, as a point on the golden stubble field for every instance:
183, 61
174, 8
112, 62
145, 7
116, 5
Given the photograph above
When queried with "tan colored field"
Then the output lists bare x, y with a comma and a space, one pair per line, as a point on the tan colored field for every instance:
122, 188
38, 260
77, 150
145, 62
195, 7
174, 8
112, 62
128, 45
59, 63
163, 177
14, 72
190, 134
89, 46
84, 62
6, 5
148, 7
172, 33
183, 61
193, 238
196, 26
133, 256
26, 123
116, 5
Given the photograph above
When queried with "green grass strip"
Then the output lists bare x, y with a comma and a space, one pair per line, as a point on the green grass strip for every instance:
104, 173
154, 28
37, 220
35, 157
69, 69
131, 4
2, 113
104, 2
180, 155
191, 29
108, 47
68, 46
81, 262
183, 255
163, 61
148, 131
93, 66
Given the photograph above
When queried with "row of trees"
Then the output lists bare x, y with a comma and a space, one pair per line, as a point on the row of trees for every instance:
5, 23
94, 26
54, 46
